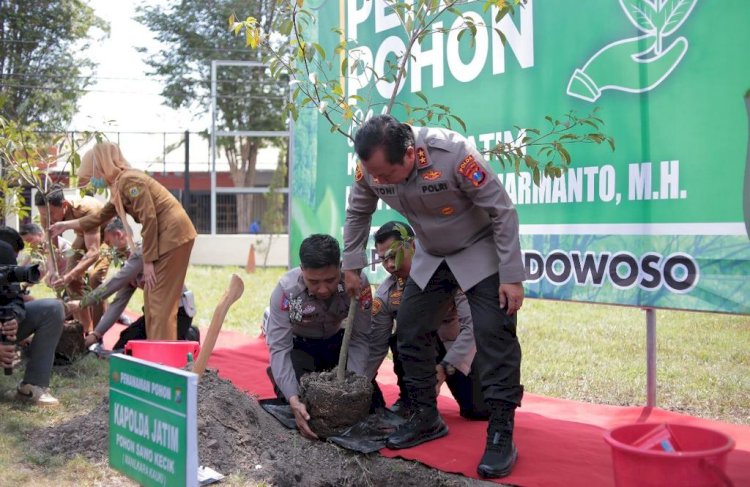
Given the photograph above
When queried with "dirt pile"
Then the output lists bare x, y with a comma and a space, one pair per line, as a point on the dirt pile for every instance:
235, 435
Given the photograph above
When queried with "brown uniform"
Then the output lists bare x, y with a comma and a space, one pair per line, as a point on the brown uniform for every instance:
97, 272
168, 236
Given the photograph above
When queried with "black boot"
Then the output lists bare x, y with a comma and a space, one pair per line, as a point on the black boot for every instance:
401, 408
424, 425
500, 453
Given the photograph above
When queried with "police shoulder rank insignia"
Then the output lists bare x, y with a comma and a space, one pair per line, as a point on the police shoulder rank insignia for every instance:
358, 175
471, 170
365, 298
134, 191
377, 305
422, 160
431, 175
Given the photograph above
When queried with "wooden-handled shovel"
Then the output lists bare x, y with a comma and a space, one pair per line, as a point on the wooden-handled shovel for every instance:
232, 294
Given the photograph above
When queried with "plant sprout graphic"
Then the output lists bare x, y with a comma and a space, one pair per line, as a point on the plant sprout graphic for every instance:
637, 64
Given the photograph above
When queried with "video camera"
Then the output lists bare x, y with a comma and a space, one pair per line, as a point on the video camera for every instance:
19, 273
10, 288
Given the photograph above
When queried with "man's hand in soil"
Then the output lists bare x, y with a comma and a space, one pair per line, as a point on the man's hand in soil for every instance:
91, 339
301, 417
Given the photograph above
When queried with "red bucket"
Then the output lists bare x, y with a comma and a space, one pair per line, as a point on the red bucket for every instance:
166, 352
659, 455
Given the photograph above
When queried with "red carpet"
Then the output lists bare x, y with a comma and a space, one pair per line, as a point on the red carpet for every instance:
560, 442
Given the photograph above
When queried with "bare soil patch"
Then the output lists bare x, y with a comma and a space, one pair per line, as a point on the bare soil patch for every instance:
235, 435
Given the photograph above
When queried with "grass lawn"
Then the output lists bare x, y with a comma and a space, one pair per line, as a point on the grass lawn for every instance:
586, 352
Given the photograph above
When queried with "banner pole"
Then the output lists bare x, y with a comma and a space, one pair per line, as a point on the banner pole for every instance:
650, 357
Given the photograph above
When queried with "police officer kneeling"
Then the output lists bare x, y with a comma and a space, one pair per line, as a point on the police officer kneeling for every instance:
303, 332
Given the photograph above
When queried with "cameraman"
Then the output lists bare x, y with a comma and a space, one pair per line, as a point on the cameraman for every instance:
44, 319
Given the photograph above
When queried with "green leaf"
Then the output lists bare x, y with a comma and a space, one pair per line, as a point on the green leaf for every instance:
536, 175
321, 51
344, 65
565, 154
460, 121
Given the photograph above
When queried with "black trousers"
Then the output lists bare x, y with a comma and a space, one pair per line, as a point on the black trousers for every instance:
466, 389
498, 359
316, 354
137, 330
313, 355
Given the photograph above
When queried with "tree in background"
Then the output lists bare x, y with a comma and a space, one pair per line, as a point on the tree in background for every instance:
319, 79
33, 160
193, 33
43, 67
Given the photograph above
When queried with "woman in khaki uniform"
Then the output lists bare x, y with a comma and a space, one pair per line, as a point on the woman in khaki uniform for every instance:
167, 232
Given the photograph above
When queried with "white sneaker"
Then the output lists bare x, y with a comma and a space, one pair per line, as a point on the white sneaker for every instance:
31, 394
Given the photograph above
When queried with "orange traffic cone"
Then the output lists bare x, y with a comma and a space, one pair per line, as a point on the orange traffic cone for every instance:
250, 267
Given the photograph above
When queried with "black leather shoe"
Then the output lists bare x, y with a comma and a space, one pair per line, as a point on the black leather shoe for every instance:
422, 427
500, 453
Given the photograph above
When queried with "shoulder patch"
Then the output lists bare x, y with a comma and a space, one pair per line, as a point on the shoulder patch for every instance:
358, 175
377, 305
395, 297
284, 304
471, 170
134, 191
365, 298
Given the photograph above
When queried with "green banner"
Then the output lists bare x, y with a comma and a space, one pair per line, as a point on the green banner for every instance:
153, 422
662, 221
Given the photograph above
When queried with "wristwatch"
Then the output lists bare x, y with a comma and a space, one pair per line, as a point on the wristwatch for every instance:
448, 368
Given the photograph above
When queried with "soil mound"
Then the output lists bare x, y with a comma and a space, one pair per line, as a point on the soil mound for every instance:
236, 436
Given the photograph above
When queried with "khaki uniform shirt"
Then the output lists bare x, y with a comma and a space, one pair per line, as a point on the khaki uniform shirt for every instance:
457, 206
165, 225
86, 206
456, 331
294, 312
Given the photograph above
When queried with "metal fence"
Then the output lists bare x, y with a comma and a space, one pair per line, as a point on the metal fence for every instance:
164, 155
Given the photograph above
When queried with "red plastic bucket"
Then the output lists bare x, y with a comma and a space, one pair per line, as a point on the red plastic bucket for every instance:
166, 352
659, 455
